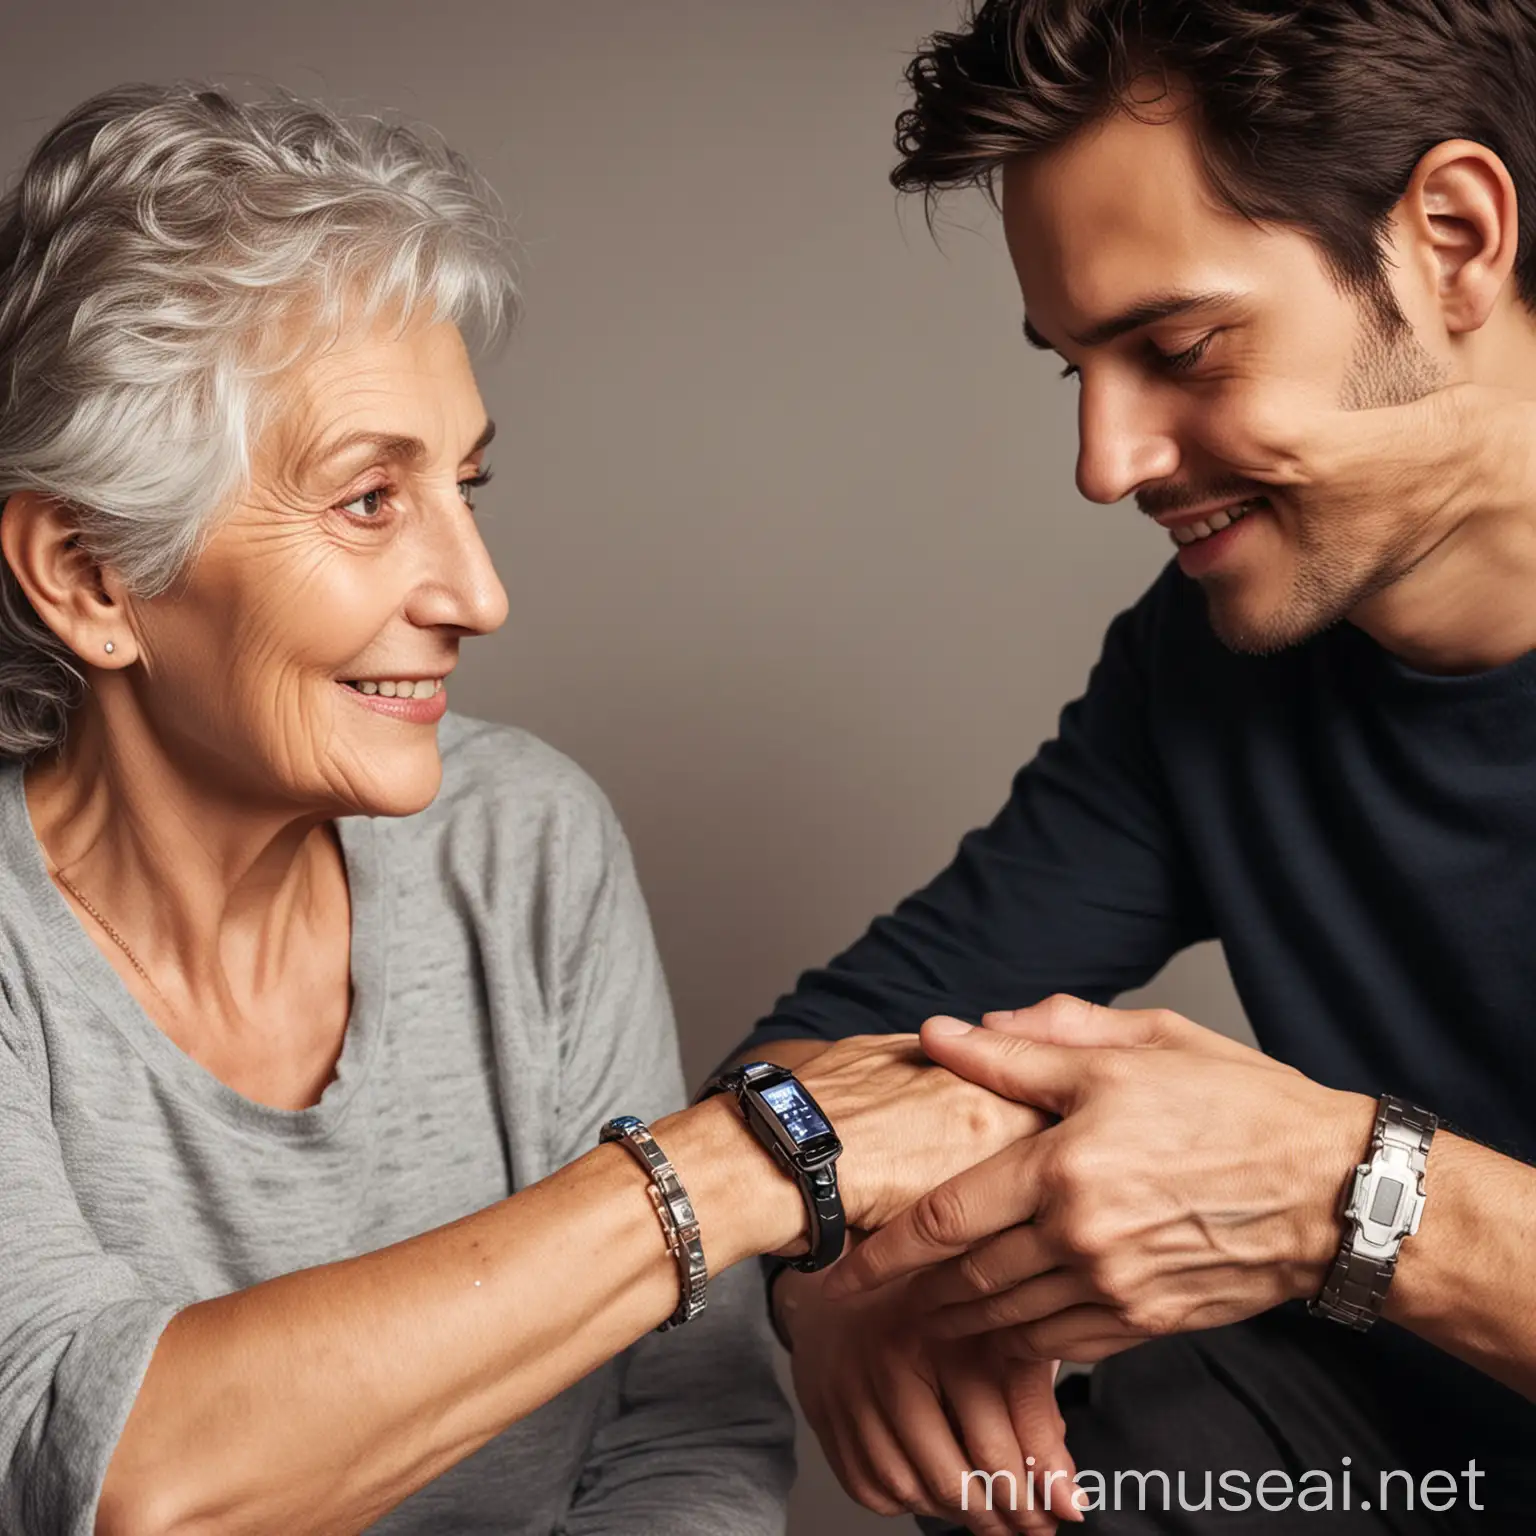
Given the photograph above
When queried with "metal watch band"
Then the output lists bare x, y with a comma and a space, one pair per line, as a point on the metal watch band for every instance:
679, 1224
1357, 1284
827, 1224
829, 1227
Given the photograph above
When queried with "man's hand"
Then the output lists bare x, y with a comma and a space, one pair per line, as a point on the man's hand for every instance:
905, 1123
1191, 1181
902, 1419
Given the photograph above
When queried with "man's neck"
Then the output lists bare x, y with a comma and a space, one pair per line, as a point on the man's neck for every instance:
1468, 606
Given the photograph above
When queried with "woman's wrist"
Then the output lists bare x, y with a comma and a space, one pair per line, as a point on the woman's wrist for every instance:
1494, 440
794, 1292
745, 1203
1514, 456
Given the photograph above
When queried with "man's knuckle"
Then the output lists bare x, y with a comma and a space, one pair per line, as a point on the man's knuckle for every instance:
1030, 1340
1082, 1233
999, 1311
1074, 1167
939, 1217
1113, 1278
1155, 1317
976, 1274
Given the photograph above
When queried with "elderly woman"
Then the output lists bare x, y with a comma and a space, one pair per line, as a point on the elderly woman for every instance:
314, 997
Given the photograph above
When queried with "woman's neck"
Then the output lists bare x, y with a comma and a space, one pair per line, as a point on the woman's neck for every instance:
212, 886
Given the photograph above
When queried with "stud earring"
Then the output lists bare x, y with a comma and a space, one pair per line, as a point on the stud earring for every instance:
110, 647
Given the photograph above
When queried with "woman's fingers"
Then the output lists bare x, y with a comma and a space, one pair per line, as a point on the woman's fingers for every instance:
929, 1441
1030, 1391
990, 1429
866, 1459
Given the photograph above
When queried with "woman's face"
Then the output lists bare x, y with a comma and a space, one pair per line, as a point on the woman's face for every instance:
351, 566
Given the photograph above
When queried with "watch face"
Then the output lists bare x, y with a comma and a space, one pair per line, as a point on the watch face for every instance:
1384, 1205
796, 1113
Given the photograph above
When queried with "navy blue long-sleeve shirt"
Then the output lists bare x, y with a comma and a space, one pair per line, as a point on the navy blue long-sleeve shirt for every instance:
1360, 836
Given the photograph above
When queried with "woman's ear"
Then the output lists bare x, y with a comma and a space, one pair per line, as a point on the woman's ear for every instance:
1460, 214
80, 601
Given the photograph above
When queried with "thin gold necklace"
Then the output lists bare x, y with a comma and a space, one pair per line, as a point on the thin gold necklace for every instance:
111, 933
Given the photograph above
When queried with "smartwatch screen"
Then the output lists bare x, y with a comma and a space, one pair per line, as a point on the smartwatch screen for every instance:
796, 1113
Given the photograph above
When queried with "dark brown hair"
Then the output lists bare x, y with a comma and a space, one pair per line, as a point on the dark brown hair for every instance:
1309, 114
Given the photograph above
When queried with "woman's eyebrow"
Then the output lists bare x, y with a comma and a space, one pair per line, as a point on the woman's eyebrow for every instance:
399, 447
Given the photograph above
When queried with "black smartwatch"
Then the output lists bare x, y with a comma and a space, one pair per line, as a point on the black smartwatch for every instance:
790, 1124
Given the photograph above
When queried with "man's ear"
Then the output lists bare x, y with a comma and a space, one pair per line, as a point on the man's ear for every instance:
1460, 216
79, 600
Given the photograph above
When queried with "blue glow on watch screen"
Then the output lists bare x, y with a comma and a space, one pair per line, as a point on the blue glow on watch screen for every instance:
796, 1113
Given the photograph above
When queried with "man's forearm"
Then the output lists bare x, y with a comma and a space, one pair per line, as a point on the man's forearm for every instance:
1464, 1282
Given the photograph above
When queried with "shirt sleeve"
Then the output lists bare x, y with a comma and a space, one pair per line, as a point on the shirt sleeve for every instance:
77, 1327
702, 1440
1080, 884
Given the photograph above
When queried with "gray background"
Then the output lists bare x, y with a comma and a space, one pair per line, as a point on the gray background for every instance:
783, 501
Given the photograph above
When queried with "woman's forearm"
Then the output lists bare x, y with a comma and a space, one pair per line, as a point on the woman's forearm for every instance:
317, 1401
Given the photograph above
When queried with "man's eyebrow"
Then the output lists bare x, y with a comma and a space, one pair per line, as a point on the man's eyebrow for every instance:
399, 447
1160, 306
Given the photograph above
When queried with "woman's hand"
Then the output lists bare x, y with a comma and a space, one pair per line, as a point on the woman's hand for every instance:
906, 1124
1452, 453
904, 1418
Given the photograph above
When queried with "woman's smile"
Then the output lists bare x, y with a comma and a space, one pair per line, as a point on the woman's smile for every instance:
421, 700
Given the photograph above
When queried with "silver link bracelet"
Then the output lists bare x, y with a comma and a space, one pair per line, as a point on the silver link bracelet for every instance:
679, 1224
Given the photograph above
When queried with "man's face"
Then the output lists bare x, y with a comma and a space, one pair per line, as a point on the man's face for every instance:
1170, 310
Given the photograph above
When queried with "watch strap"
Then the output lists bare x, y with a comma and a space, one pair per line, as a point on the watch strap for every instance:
829, 1226
1356, 1287
826, 1222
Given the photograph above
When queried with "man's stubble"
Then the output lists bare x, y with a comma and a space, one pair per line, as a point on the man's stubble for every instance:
1340, 567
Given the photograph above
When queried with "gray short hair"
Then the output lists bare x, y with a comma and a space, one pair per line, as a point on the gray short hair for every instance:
149, 252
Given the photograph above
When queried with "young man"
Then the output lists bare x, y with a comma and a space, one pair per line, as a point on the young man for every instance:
1314, 739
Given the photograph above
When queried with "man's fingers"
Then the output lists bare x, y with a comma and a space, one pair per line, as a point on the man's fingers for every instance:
1067, 1020
1052, 1077
988, 1198
1085, 1333
1035, 1299
988, 1269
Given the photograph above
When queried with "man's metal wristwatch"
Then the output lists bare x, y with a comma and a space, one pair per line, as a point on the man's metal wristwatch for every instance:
790, 1124
1383, 1204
